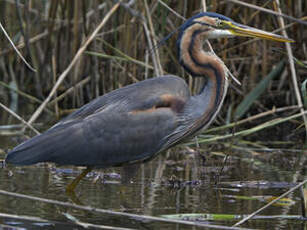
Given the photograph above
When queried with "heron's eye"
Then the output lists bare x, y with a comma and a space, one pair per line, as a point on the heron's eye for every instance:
218, 23
222, 24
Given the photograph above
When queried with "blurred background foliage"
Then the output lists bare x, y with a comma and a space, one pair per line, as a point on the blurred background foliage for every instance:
49, 34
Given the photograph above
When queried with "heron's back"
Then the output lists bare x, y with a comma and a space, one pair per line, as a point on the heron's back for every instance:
124, 126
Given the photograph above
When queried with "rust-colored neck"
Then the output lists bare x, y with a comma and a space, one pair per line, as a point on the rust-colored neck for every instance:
202, 64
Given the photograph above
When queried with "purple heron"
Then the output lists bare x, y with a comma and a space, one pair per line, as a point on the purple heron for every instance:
135, 123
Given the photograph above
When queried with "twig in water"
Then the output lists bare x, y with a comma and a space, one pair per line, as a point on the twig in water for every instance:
87, 225
269, 204
22, 217
122, 214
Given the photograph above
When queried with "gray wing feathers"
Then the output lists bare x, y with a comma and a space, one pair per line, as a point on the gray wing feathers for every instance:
139, 95
105, 132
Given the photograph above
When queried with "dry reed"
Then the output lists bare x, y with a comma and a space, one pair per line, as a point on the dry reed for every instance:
50, 33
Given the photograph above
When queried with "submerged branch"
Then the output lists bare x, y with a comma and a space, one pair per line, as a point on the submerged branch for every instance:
269, 204
116, 213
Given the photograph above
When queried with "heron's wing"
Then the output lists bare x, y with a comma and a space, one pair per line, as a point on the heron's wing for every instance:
141, 95
124, 126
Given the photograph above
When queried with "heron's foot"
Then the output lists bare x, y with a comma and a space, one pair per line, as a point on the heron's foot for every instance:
71, 187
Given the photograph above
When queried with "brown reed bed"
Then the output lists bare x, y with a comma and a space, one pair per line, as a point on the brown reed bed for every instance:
49, 35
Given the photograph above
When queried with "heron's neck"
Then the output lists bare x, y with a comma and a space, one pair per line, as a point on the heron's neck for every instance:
199, 63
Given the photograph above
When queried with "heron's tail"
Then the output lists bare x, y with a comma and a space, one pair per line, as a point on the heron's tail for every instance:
55, 145
34, 150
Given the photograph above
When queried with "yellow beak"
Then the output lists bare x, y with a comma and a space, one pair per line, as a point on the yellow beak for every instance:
246, 31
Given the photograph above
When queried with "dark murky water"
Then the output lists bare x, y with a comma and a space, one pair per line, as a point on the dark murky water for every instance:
174, 182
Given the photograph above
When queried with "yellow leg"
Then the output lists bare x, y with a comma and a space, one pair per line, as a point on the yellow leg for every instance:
71, 187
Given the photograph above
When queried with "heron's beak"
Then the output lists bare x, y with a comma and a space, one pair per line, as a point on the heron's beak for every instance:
246, 31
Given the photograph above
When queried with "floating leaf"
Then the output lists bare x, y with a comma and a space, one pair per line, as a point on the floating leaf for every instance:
202, 216
266, 199
225, 217
281, 202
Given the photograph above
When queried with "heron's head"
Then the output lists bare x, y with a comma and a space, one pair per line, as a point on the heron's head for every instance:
210, 25
215, 25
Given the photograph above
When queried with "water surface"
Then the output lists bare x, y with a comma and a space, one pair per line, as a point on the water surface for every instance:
174, 182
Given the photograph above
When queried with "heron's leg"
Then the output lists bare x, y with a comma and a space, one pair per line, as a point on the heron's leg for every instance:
71, 187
